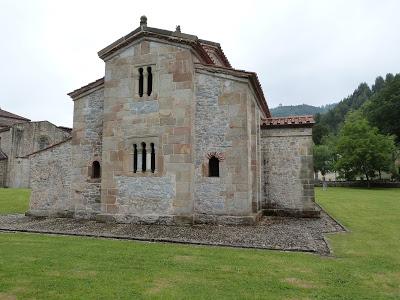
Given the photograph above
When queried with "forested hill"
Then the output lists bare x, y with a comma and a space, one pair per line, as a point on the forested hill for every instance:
298, 110
379, 104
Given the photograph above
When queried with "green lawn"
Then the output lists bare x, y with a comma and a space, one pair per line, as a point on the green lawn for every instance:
14, 201
366, 263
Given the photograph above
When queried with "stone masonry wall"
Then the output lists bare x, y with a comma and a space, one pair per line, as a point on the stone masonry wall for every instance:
163, 118
5, 147
25, 139
224, 126
5, 138
288, 171
51, 181
86, 148
3, 172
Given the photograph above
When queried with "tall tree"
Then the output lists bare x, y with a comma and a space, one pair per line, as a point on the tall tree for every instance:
383, 109
323, 159
362, 149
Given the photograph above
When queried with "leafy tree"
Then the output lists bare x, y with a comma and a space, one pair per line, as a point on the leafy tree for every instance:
319, 130
323, 159
335, 117
383, 109
362, 149
378, 85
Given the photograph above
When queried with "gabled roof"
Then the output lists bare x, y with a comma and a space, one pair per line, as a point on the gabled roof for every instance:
292, 121
210, 54
201, 47
93, 85
253, 79
6, 114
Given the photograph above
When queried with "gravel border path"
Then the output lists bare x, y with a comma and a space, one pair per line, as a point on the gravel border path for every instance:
276, 233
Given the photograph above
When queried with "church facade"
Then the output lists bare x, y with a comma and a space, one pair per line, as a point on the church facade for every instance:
173, 134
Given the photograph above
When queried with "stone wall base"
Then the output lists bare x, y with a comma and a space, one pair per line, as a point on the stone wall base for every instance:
227, 220
297, 213
46, 213
181, 220
152, 219
145, 219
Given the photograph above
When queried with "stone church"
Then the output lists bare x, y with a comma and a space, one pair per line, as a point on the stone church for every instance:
174, 134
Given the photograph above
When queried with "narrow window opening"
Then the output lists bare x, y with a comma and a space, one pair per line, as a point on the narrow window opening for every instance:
213, 167
149, 81
134, 158
140, 82
144, 157
153, 158
96, 170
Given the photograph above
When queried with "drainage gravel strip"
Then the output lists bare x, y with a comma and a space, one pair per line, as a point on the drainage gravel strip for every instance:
273, 233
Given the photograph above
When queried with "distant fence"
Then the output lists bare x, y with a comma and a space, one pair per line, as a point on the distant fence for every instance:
361, 183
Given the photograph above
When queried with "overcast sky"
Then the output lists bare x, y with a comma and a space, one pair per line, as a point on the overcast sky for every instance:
313, 52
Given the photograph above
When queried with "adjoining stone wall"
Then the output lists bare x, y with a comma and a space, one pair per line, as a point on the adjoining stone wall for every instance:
50, 181
163, 118
288, 172
25, 139
86, 148
19, 172
5, 138
3, 172
5, 147
225, 126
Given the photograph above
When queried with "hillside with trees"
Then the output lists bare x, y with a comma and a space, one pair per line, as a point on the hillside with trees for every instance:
360, 136
296, 110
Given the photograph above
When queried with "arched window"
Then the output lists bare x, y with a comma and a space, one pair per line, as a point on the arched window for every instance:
43, 142
149, 81
96, 170
213, 167
141, 82
144, 157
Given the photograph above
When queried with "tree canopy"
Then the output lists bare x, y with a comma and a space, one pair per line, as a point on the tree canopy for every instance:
361, 149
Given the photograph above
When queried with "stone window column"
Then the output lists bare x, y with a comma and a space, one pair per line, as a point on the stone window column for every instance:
148, 161
139, 161
145, 81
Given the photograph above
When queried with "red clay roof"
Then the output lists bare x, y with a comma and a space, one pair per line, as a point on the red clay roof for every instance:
6, 114
292, 121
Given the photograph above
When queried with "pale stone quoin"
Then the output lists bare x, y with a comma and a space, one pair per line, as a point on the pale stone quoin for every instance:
172, 134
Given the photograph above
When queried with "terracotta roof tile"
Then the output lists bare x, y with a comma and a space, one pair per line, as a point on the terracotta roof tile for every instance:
291, 121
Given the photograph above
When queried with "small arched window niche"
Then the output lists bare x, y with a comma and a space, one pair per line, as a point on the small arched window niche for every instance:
96, 170
213, 164
213, 167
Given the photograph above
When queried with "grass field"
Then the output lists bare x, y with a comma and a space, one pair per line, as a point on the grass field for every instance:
14, 201
366, 263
